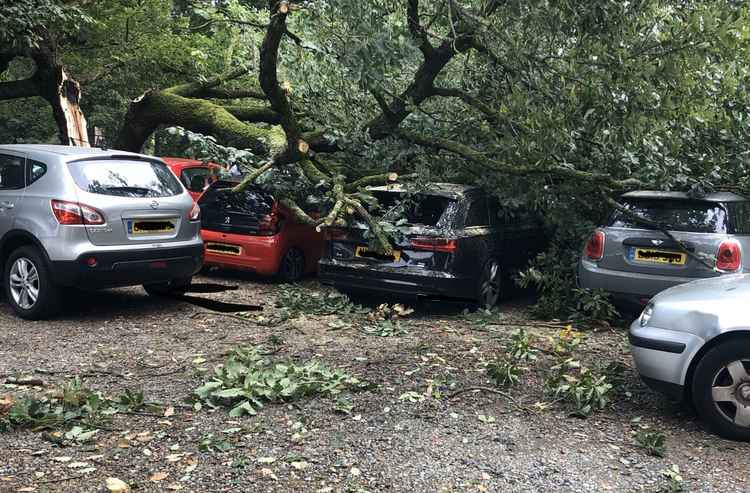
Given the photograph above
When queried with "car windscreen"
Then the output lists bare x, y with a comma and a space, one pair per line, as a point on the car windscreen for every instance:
190, 175
125, 178
220, 200
417, 208
677, 215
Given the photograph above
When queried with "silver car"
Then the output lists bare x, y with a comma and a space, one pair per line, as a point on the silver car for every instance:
91, 218
634, 262
693, 342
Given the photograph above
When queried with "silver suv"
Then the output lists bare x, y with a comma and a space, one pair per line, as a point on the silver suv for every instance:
635, 262
91, 218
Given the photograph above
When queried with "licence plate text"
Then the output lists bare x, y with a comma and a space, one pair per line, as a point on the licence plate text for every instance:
657, 256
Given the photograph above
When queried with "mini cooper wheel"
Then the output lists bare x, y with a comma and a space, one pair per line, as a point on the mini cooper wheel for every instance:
28, 286
175, 287
490, 284
292, 267
721, 389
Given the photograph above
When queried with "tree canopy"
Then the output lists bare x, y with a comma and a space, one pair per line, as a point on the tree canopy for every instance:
559, 106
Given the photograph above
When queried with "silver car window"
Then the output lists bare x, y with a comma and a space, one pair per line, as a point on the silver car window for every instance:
677, 215
125, 178
11, 172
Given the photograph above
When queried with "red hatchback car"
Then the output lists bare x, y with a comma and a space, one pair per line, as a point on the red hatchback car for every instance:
195, 175
252, 231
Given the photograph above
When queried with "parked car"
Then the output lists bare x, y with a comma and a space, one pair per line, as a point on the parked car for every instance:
456, 243
634, 262
195, 175
252, 231
693, 342
90, 218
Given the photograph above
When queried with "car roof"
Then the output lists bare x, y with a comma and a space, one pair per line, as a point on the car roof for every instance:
185, 162
69, 153
660, 195
452, 190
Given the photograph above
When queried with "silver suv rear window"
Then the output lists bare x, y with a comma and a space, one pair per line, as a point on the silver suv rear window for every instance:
125, 178
676, 215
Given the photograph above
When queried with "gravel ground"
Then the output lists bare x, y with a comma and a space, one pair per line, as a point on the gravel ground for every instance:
471, 441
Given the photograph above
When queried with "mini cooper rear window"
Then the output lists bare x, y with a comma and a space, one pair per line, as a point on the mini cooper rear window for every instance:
676, 215
125, 178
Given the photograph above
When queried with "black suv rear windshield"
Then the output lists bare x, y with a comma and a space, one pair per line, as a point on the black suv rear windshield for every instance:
125, 178
419, 208
676, 215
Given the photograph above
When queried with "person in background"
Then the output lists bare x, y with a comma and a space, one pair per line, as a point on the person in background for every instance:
234, 170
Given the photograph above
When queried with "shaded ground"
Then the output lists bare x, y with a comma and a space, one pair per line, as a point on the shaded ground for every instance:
473, 441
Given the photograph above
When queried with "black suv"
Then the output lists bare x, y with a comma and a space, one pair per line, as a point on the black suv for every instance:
456, 243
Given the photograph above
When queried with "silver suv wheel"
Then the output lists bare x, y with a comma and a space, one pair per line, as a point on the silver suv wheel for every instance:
24, 283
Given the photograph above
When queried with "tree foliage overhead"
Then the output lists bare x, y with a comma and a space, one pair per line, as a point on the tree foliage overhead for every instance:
555, 105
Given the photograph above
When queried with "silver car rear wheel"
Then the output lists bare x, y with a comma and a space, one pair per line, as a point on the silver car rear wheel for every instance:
730, 391
720, 388
24, 283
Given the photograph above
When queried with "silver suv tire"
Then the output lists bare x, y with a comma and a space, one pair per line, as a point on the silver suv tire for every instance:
28, 286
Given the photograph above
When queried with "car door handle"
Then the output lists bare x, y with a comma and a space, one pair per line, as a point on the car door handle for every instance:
6, 205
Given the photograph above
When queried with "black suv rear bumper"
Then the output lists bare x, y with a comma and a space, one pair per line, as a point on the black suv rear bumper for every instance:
401, 281
128, 267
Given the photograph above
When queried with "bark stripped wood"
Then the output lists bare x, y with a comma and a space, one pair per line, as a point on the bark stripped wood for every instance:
51, 82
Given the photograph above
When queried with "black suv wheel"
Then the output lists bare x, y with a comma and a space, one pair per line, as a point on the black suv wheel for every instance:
489, 287
28, 286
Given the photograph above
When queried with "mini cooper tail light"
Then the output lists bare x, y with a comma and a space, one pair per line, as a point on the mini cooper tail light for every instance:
729, 256
74, 213
595, 246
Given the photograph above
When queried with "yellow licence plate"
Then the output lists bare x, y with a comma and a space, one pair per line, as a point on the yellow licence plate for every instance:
223, 248
660, 256
150, 227
364, 252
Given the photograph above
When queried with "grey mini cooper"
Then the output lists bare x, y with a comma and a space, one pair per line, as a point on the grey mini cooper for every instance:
692, 342
91, 218
634, 262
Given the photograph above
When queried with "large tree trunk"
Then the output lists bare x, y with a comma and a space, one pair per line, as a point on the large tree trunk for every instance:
155, 108
51, 82
64, 96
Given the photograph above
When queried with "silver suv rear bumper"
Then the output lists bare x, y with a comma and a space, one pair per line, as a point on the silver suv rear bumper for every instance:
128, 267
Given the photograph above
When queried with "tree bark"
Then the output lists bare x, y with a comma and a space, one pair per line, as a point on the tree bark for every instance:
156, 108
51, 82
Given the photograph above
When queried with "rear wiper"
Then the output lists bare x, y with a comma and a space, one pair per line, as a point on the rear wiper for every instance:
142, 191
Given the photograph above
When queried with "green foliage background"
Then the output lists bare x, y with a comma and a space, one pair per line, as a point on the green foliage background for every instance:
651, 89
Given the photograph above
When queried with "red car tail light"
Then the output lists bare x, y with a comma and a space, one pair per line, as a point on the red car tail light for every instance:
268, 225
74, 213
729, 256
595, 246
434, 244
